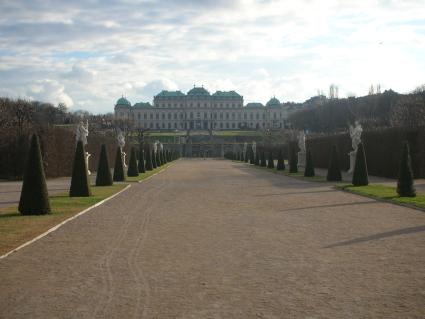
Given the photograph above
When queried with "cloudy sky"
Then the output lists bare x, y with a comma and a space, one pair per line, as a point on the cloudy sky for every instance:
88, 53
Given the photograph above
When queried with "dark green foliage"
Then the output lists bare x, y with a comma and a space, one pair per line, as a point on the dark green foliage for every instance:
34, 196
164, 158
309, 166
405, 187
293, 162
119, 175
257, 158
141, 163
263, 162
251, 156
149, 164
280, 161
270, 162
334, 172
132, 165
103, 176
158, 158
154, 163
80, 186
246, 156
360, 175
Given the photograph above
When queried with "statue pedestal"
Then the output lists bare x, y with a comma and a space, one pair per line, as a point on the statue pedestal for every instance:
301, 159
123, 159
352, 155
87, 162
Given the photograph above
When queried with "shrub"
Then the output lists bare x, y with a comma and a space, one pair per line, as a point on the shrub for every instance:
263, 162
360, 175
103, 176
280, 161
34, 196
141, 163
118, 167
309, 166
334, 172
149, 164
270, 163
405, 187
132, 165
293, 162
80, 186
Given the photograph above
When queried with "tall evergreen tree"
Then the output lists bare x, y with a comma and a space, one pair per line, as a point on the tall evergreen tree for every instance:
270, 163
80, 186
132, 165
263, 162
257, 157
334, 172
251, 156
141, 164
149, 164
164, 158
103, 176
119, 175
293, 162
360, 175
280, 161
405, 183
309, 166
154, 163
34, 196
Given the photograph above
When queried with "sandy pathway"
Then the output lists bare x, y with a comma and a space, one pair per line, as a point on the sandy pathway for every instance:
215, 239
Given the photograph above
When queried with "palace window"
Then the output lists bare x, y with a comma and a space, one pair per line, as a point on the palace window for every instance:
175, 116
227, 125
245, 116
157, 125
151, 116
257, 116
138, 116
221, 125
151, 125
221, 104
274, 115
239, 116
205, 104
145, 116
221, 116
163, 125
198, 115
175, 125
163, 116
205, 115
233, 104
169, 125
181, 115
191, 115
251, 116
233, 115
181, 104
227, 116
169, 104
157, 116
233, 125
227, 104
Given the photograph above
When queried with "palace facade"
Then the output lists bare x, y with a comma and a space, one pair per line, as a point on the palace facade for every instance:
200, 110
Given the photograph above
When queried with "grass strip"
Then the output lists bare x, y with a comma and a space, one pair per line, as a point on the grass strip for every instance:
16, 229
386, 193
143, 176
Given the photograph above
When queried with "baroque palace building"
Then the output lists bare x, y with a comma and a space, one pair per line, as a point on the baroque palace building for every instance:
200, 110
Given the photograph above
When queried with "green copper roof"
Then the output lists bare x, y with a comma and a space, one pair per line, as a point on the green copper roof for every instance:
254, 105
228, 94
123, 102
198, 91
273, 102
142, 105
165, 93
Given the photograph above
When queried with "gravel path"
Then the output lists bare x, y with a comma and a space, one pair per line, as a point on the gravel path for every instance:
216, 239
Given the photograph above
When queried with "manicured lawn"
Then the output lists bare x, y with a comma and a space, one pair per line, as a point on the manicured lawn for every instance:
387, 193
143, 176
16, 229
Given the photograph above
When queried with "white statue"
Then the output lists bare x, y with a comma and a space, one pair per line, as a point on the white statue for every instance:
120, 138
355, 134
155, 146
81, 134
254, 148
302, 152
161, 147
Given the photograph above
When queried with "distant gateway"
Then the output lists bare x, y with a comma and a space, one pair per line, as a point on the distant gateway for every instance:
200, 110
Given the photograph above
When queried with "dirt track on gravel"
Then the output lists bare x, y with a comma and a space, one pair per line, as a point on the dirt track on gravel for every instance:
216, 239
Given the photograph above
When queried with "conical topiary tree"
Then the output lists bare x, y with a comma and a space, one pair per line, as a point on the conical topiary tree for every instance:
270, 163
251, 156
154, 163
257, 158
334, 172
405, 186
103, 176
309, 166
141, 164
164, 157
263, 162
280, 161
132, 165
80, 186
360, 175
149, 164
246, 155
158, 158
293, 162
34, 196
119, 175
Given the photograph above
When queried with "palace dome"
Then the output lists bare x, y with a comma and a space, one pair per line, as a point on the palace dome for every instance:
273, 102
122, 101
198, 91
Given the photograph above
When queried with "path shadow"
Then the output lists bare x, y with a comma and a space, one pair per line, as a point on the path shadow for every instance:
329, 206
398, 232
297, 193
